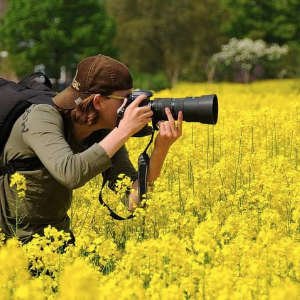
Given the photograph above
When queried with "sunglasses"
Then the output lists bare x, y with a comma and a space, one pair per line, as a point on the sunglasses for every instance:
116, 97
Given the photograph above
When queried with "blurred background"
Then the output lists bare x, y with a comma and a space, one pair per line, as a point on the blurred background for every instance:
162, 42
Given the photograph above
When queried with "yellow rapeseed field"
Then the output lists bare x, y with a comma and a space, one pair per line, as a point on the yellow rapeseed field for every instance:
222, 222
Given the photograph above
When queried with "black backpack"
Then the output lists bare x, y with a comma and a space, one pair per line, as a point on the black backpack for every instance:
15, 98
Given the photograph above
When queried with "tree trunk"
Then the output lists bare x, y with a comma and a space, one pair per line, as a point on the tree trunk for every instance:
172, 73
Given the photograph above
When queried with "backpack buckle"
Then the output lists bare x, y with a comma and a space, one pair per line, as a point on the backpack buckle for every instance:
10, 169
7, 169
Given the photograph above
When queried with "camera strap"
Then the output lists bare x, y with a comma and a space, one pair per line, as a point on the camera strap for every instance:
111, 212
143, 165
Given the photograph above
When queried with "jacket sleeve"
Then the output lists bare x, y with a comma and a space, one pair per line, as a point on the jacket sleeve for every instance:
121, 163
43, 132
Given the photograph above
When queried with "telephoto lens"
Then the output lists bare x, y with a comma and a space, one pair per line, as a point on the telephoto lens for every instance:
203, 109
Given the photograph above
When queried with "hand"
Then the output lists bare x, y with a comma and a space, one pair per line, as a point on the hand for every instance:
169, 131
135, 117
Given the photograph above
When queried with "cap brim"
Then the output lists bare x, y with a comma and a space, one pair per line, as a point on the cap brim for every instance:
66, 98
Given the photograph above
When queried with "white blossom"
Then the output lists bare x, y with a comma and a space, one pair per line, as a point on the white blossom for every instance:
247, 52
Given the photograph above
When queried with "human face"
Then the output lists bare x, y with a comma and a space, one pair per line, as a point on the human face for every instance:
114, 101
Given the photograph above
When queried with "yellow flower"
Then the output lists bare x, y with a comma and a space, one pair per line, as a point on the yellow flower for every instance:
221, 222
18, 181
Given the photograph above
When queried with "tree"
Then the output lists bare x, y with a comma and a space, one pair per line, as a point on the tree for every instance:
239, 59
174, 36
273, 21
55, 33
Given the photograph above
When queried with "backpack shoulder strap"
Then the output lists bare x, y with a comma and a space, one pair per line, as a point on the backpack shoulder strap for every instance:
14, 99
25, 164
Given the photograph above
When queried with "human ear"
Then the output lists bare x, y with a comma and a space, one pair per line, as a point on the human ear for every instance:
97, 101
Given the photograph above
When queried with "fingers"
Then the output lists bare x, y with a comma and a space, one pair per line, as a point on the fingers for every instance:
140, 110
135, 110
138, 101
136, 117
147, 116
171, 121
174, 128
164, 129
179, 122
171, 129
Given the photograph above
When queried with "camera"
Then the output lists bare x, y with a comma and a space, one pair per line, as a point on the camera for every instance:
203, 109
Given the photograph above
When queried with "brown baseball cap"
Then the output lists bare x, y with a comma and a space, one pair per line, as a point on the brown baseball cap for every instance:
95, 74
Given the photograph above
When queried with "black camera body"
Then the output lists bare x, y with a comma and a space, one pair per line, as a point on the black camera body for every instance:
203, 109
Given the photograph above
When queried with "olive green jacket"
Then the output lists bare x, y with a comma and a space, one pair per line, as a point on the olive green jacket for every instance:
66, 166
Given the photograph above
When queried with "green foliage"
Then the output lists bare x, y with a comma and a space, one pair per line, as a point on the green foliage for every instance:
273, 21
161, 41
155, 81
55, 33
169, 36
292, 61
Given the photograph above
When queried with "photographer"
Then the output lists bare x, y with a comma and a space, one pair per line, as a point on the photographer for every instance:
57, 134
